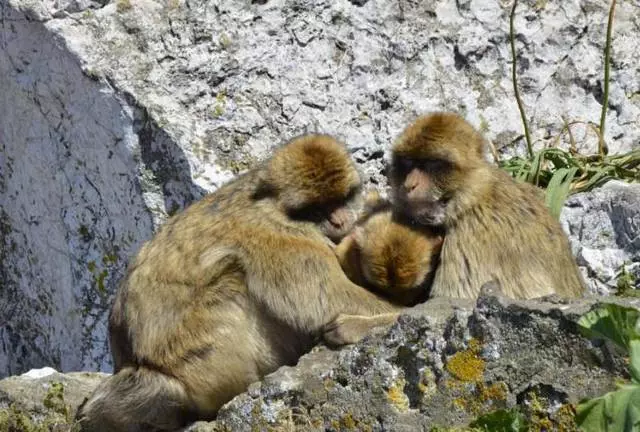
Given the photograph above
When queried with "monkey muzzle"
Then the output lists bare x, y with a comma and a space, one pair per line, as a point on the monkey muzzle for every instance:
428, 212
339, 223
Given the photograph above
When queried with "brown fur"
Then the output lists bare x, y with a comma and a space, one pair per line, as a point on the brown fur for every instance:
388, 256
496, 228
239, 284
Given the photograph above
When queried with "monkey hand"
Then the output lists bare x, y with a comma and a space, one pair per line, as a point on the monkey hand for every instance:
349, 329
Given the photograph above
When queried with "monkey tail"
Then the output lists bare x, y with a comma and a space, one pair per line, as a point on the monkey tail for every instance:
135, 399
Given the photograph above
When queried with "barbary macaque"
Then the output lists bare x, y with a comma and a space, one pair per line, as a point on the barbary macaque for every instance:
497, 229
240, 283
389, 256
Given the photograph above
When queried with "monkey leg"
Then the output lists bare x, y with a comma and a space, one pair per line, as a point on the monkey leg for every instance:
348, 329
135, 400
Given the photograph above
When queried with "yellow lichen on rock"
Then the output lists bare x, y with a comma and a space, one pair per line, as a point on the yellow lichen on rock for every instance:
397, 397
467, 365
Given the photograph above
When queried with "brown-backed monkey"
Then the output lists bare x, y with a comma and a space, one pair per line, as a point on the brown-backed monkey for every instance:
239, 284
388, 256
496, 228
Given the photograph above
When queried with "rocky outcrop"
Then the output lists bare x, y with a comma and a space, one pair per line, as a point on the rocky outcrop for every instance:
443, 363
115, 115
604, 230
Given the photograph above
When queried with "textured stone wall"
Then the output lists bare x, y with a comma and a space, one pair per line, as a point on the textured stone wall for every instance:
114, 115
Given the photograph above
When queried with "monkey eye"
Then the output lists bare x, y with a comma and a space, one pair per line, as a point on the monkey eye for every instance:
405, 164
435, 165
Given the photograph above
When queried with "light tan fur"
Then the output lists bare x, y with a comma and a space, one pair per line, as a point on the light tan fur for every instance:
388, 256
496, 228
240, 283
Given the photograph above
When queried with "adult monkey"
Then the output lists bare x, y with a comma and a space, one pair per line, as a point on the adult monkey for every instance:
239, 284
496, 229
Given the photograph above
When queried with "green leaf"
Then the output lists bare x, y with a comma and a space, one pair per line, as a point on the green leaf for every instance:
501, 421
534, 170
558, 189
634, 360
617, 323
616, 411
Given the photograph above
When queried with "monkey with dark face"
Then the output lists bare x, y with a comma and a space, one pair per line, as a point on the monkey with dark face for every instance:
389, 256
240, 283
496, 228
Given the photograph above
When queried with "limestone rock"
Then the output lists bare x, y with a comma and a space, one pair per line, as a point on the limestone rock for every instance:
604, 230
443, 363
44, 397
114, 115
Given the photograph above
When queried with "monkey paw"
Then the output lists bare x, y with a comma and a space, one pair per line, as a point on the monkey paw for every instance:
349, 329
345, 329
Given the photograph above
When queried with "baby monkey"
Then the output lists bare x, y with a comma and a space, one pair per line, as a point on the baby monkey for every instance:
388, 256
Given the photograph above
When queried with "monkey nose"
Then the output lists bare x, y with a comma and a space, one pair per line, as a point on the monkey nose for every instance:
336, 222
410, 187
337, 219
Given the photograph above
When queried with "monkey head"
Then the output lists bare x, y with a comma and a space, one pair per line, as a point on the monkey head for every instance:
313, 178
434, 163
388, 256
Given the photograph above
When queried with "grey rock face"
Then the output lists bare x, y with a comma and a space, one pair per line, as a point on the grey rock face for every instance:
30, 390
114, 115
604, 230
442, 364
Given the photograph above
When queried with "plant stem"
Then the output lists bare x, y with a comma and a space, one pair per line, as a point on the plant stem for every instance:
515, 80
603, 150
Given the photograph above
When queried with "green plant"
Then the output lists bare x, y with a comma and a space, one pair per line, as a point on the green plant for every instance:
564, 172
501, 421
561, 173
602, 147
514, 79
618, 410
626, 283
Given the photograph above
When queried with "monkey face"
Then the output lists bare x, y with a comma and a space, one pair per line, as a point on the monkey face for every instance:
337, 224
433, 160
419, 186
334, 218
314, 179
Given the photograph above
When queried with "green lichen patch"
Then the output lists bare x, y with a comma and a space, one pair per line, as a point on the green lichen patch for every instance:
348, 422
626, 283
15, 419
123, 5
54, 399
542, 416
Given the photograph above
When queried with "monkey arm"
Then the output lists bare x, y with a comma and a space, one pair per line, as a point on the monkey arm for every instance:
305, 287
349, 329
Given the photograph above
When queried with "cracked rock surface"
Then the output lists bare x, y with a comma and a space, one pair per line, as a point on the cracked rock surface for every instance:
444, 363
114, 115
604, 231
